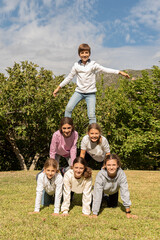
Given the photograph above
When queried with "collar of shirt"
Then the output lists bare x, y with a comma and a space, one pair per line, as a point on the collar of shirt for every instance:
80, 62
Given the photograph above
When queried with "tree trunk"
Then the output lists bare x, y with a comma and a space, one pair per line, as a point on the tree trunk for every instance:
34, 162
11, 139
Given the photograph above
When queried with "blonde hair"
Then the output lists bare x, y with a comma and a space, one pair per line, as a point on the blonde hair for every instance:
50, 162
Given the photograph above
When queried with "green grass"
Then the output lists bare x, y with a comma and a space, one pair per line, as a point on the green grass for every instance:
17, 198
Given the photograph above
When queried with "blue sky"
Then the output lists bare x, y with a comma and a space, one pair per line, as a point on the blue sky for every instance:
123, 34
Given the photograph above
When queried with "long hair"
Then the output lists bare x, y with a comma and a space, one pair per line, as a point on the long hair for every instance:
66, 120
87, 171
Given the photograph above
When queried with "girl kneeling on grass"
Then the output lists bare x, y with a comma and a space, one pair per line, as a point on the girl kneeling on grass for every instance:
109, 180
64, 141
95, 145
49, 185
78, 180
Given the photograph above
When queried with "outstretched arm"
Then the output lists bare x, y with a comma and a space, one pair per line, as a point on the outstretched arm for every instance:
124, 74
56, 91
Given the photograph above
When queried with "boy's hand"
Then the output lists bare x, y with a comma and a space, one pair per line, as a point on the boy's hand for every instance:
124, 74
56, 91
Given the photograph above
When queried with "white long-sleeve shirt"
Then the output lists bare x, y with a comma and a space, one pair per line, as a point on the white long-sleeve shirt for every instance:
53, 186
86, 76
81, 185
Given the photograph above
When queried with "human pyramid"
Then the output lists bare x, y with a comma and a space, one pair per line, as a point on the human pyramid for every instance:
54, 181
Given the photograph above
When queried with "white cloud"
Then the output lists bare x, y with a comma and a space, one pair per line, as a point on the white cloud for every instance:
148, 13
8, 6
49, 34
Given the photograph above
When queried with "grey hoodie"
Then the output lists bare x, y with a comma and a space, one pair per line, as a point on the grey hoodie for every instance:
104, 183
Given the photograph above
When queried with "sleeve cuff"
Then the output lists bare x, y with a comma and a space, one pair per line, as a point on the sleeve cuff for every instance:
65, 212
36, 210
56, 210
95, 213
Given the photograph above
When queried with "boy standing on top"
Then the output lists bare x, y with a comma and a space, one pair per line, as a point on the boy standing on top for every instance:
85, 70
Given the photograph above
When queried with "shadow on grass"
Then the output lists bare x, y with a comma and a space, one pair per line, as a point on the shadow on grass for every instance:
104, 205
76, 201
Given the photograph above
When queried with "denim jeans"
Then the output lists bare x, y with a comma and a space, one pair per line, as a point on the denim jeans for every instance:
47, 199
90, 99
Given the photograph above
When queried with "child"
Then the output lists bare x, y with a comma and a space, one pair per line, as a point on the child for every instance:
64, 141
77, 180
95, 145
49, 183
85, 70
109, 180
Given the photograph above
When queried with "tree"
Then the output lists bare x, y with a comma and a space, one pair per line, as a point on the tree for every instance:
128, 112
28, 112
130, 116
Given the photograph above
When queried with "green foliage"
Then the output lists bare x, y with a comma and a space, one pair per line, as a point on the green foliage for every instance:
130, 117
28, 110
129, 114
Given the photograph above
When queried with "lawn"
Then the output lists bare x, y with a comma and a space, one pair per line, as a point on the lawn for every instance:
17, 198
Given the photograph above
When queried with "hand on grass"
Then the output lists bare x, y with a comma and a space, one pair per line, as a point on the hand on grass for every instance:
85, 215
65, 214
55, 214
33, 212
93, 216
131, 216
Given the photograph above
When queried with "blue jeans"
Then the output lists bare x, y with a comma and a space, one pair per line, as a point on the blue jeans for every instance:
46, 199
90, 99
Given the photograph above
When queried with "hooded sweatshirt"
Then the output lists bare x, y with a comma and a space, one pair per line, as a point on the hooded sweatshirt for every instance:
107, 185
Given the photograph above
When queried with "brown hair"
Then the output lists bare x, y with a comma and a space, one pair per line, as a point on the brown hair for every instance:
112, 157
84, 47
97, 127
87, 171
66, 120
50, 162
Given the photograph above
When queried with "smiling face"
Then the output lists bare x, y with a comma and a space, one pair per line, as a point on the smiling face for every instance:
66, 130
78, 169
50, 172
84, 55
94, 134
112, 166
